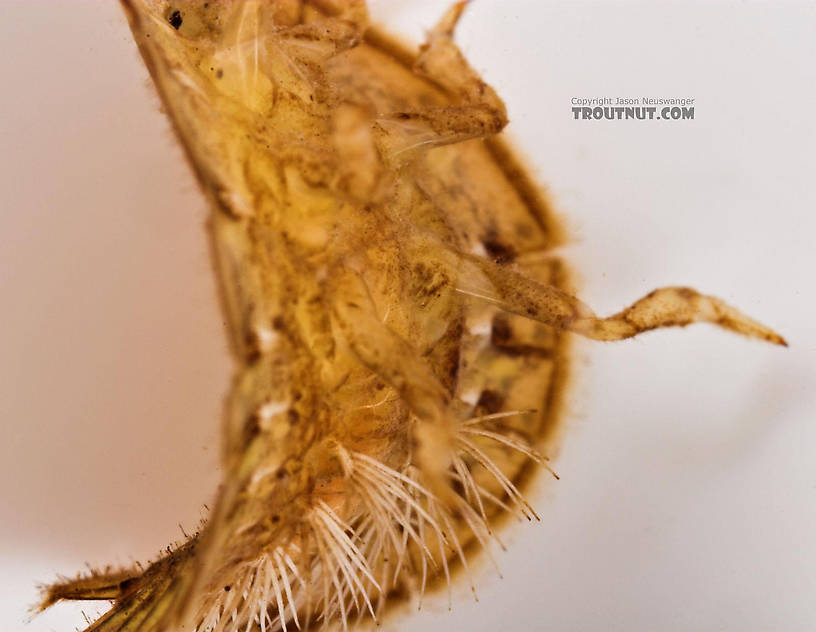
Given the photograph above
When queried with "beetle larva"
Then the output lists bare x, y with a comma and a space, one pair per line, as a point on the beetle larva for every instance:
398, 316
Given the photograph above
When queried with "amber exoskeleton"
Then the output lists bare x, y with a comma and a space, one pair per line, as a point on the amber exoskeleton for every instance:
397, 314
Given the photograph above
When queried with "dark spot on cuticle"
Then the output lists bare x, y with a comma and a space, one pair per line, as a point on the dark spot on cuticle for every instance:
175, 19
126, 583
490, 401
252, 427
253, 346
458, 487
453, 368
500, 332
498, 251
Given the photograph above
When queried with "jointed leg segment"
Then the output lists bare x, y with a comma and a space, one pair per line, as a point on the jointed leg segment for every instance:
476, 110
665, 307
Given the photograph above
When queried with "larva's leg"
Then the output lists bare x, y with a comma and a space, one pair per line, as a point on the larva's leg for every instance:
317, 42
130, 613
105, 585
352, 11
392, 358
672, 307
141, 598
308, 39
383, 351
441, 61
133, 603
666, 307
477, 110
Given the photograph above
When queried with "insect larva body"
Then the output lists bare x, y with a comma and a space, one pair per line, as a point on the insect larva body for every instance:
395, 310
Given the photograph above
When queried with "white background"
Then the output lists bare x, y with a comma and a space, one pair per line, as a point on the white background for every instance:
688, 491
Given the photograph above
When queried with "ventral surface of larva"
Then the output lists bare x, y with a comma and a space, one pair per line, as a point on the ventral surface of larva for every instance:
397, 312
